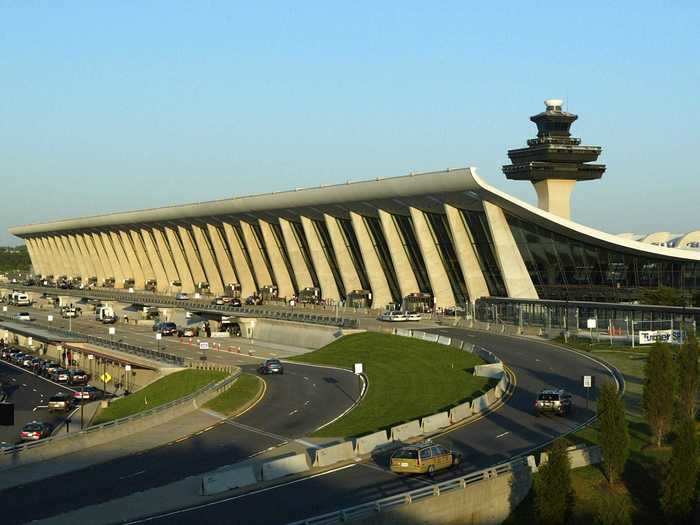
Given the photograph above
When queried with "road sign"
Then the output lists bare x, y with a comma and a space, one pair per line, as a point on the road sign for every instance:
159, 336
91, 357
587, 381
106, 377
591, 323
49, 318
127, 368
112, 330
358, 368
204, 345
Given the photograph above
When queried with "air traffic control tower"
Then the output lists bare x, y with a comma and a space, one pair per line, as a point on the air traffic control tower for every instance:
555, 160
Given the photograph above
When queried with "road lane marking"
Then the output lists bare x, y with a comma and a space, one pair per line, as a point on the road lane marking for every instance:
503, 434
133, 475
306, 403
293, 412
256, 430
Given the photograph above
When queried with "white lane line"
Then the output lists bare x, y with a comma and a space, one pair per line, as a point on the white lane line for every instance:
240, 496
293, 412
133, 475
501, 435
306, 403
40, 406
307, 443
306, 378
257, 431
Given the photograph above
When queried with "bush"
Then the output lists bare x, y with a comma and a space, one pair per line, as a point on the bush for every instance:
614, 438
553, 491
612, 510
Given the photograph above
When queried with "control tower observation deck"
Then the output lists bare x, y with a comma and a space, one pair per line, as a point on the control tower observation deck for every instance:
555, 160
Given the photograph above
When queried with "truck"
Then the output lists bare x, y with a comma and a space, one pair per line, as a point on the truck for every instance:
20, 299
104, 313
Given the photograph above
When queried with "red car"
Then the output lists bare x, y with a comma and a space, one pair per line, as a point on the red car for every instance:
35, 430
86, 393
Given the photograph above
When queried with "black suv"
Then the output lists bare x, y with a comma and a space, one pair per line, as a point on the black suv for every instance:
557, 401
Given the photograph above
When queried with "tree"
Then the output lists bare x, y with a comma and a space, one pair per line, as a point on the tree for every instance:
659, 384
663, 295
688, 376
614, 438
678, 495
612, 510
552, 484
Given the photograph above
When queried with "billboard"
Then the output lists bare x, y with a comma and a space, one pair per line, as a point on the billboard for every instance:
647, 337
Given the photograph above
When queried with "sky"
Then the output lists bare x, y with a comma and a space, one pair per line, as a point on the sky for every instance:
114, 106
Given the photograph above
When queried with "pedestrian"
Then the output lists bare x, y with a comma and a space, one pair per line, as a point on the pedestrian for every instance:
126, 319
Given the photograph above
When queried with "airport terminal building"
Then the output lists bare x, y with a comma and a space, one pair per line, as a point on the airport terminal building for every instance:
438, 239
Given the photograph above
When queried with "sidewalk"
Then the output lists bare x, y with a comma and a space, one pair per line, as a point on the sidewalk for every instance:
141, 441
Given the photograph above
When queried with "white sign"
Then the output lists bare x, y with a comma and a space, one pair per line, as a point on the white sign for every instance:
358, 368
197, 296
112, 330
49, 318
131, 290
159, 336
591, 323
29, 341
4, 308
648, 337
91, 357
587, 381
127, 368
204, 345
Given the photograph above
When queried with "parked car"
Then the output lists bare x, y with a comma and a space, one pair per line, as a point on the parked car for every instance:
60, 375
37, 363
8, 351
49, 368
18, 357
24, 316
557, 401
86, 393
271, 366
60, 402
236, 303
423, 458
35, 430
413, 316
27, 360
182, 296
165, 328
218, 301
188, 331
109, 319
78, 377
392, 316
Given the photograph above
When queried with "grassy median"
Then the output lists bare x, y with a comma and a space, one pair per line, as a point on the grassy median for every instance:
408, 379
242, 393
166, 389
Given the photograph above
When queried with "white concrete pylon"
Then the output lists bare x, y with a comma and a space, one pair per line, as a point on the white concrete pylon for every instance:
131, 257
161, 277
190, 252
82, 248
127, 270
88, 239
405, 276
329, 289
108, 256
302, 274
228, 274
183, 269
285, 288
166, 257
381, 293
33, 256
257, 258
240, 261
84, 271
216, 285
348, 272
143, 260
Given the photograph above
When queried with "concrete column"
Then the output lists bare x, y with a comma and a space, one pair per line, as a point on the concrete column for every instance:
296, 258
348, 272
84, 271
439, 281
129, 272
198, 275
43, 256
140, 251
82, 247
329, 290
262, 275
61, 265
139, 277
51, 268
228, 274
404, 272
161, 277
111, 263
183, 269
554, 196
89, 240
243, 271
513, 270
381, 293
285, 288
33, 256
468, 261
70, 256
216, 286
166, 257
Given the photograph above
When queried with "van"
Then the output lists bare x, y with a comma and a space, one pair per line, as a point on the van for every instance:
423, 458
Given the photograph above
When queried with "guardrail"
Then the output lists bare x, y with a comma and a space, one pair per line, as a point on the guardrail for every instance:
381, 505
219, 385
200, 305
140, 351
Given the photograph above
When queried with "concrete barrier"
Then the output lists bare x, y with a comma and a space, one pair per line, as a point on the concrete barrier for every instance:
494, 370
403, 332
501, 387
223, 480
468, 347
371, 443
531, 463
583, 457
490, 396
435, 422
327, 456
443, 340
479, 405
417, 334
406, 431
433, 338
460, 412
457, 343
285, 466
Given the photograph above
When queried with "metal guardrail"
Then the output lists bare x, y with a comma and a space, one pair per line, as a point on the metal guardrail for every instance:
405, 498
200, 305
17, 449
140, 351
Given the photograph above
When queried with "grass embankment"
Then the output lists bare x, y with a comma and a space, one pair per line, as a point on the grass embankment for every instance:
641, 483
408, 378
242, 393
166, 389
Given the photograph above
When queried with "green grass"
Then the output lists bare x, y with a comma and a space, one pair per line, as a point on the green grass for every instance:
166, 389
408, 378
245, 390
643, 474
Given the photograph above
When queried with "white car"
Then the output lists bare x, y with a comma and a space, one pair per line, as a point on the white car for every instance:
182, 296
24, 316
414, 316
392, 316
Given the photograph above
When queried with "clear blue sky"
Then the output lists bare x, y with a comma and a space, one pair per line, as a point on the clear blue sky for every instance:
144, 104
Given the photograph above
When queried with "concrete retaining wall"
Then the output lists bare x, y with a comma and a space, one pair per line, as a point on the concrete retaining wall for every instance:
285, 466
433, 338
406, 431
223, 480
494, 370
460, 412
371, 443
435, 422
328, 456
444, 340
301, 334
479, 405
402, 332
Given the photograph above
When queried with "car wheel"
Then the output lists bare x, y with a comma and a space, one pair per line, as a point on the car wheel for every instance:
431, 470
456, 460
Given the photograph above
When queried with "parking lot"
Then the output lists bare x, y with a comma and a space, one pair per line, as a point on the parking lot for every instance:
30, 394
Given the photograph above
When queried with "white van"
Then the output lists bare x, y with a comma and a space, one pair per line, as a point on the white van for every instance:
20, 299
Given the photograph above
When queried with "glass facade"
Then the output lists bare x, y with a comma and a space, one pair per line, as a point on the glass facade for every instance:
565, 268
480, 235
410, 245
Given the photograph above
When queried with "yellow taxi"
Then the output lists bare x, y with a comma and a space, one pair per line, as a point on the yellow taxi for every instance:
423, 458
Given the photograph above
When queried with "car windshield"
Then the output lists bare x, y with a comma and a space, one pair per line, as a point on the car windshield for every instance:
32, 427
406, 453
273, 362
549, 397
